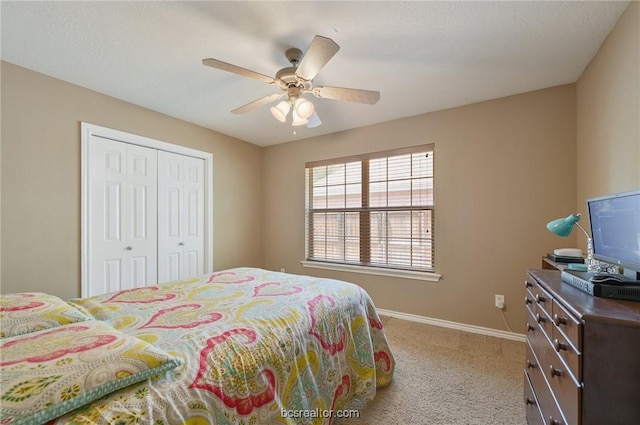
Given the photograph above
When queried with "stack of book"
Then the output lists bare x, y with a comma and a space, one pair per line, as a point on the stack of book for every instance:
564, 259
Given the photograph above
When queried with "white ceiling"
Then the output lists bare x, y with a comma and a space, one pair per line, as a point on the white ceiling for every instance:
421, 56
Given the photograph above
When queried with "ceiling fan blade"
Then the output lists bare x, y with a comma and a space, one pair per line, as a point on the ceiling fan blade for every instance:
214, 63
349, 95
257, 103
314, 120
319, 53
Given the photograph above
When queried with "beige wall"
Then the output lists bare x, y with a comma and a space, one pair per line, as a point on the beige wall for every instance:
41, 179
512, 163
504, 168
608, 106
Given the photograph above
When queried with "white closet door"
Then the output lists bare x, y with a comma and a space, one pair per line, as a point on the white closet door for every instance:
123, 240
180, 216
142, 210
193, 187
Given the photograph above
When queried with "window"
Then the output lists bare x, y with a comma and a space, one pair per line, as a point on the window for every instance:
373, 210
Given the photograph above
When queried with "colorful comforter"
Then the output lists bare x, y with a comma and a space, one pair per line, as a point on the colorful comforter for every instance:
259, 347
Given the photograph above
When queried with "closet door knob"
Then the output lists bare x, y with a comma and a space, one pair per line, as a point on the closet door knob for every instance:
181, 244
129, 248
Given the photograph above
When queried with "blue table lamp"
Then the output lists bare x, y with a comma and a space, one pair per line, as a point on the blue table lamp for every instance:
564, 226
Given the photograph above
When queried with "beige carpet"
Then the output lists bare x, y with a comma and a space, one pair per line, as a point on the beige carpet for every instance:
447, 377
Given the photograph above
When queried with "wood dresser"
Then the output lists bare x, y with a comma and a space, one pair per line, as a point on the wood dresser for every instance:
582, 364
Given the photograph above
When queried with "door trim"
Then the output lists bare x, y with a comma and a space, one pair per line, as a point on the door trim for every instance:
88, 130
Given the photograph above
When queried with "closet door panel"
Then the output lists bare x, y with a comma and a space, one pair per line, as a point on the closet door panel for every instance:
122, 245
108, 240
193, 185
143, 223
180, 216
111, 277
169, 216
172, 267
193, 263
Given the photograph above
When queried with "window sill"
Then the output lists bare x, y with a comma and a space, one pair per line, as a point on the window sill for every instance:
405, 274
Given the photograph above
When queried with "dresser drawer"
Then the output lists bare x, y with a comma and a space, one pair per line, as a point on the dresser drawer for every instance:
541, 298
529, 296
546, 403
566, 350
533, 413
535, 333
563, 385
540, 315
544, 320
567, 324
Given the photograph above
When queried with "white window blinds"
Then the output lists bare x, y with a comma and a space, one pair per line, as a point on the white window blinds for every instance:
372, 210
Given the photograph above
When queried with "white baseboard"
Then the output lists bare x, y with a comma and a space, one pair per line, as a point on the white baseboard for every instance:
453, 325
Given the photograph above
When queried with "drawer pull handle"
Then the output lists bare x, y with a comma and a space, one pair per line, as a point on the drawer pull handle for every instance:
554, 421
559, 320
530, 364
530, 401
527, 300
559, 345
530, 327
540, 319
555, 372
540, 298
527, 284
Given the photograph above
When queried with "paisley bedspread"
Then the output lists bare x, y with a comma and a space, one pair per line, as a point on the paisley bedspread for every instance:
259, 347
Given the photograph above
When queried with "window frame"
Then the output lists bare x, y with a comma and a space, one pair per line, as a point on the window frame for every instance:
375, 269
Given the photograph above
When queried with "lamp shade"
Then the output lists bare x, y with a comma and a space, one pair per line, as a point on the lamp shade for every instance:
297, 120
564, 226
303, 108
280, 111
314, 120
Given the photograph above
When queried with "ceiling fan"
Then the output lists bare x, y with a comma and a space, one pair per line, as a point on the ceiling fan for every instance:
297, 80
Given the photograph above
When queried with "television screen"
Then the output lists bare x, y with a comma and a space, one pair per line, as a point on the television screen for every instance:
615, 229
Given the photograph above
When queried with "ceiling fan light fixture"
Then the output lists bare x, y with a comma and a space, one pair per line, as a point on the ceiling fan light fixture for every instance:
296, 80
303, 108
280, 111
314, 121
297, 120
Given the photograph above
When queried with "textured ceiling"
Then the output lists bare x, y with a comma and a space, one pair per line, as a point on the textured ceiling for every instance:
421, 56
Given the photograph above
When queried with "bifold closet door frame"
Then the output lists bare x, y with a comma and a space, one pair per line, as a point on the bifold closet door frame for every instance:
88, 131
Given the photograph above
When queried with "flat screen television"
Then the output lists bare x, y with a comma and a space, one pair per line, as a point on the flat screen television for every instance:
615, 230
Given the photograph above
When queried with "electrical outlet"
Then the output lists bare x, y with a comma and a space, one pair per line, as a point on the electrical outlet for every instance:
282, 270
500, 302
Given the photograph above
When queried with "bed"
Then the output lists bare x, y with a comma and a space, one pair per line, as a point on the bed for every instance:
240, 346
